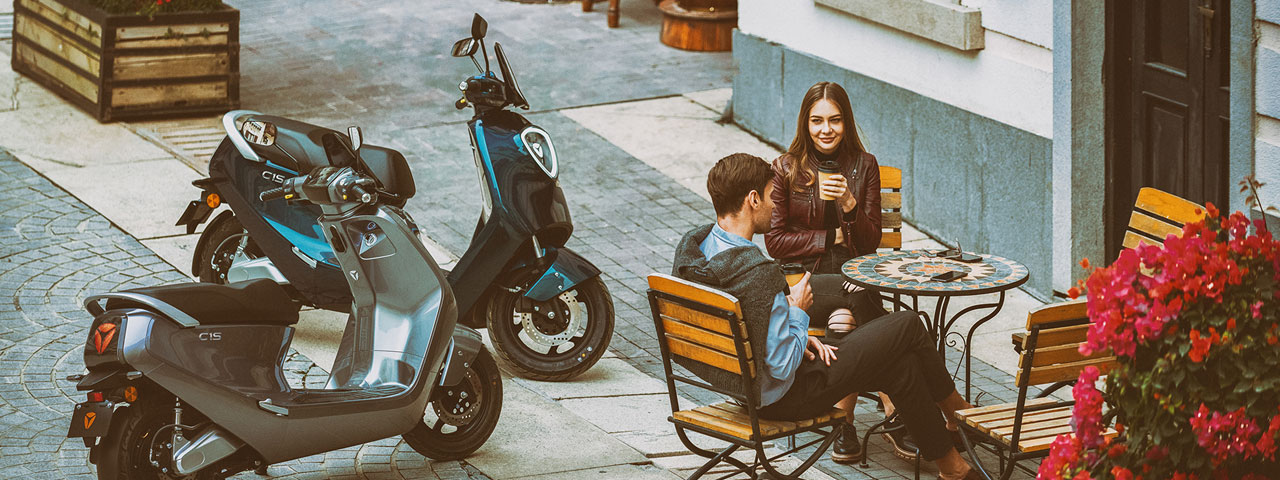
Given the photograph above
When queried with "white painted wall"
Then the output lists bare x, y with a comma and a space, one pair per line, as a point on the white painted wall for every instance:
1010, 81
1267, 89
1027, 20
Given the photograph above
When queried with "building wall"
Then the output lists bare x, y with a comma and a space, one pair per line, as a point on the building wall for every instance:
971, 130
1267, 90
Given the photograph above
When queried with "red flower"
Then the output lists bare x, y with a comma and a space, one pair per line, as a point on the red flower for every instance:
1121, 473
1084, 262
1073, 292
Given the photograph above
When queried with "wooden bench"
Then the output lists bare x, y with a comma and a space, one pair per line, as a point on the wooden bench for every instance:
1050, 355
1156, 215
890, 221
705, 325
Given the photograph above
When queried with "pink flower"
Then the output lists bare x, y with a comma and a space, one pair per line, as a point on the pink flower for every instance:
1087, 413
1256, 309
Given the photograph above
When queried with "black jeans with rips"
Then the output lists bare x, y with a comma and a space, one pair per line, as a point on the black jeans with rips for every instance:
893, 354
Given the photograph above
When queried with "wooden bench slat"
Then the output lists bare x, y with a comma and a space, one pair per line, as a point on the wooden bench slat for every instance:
890, 177
890, 220
890, 200
1077, 309
1052, 337
714, 423
1045, 442
677, 329
1028, 428
1152, 226
698, 293
1067, 371
1005, 418
1168, 205
705, 321
706, 355
738, 414
1132, 240
1069, 353
891, 240
1031, 402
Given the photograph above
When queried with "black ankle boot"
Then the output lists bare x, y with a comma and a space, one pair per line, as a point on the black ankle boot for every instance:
847, 449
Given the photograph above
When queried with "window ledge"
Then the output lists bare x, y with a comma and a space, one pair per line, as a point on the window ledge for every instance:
956, 26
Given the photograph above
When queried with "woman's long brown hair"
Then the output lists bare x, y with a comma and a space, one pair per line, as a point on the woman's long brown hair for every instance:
802, 151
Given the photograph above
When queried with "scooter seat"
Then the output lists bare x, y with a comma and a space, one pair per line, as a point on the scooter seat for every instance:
255, 302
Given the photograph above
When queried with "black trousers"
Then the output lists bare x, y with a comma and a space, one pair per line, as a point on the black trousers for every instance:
893, 354
829, 294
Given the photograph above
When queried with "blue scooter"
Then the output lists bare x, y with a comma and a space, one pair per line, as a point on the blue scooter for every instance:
548, 311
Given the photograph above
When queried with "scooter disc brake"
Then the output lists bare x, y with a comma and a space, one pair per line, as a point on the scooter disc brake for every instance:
459, 404
547, 325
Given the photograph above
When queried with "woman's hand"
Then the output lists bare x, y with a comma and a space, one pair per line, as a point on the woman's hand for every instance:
837, 186
817, 349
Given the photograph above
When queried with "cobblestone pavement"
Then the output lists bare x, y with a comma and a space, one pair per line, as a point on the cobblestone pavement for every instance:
55, 252
385, 64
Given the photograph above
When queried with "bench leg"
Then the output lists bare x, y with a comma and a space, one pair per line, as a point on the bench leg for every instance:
808, 462
613, 13
587, 5
973, 455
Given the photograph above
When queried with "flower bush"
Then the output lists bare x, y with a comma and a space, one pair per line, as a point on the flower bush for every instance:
152, 7
1194, 327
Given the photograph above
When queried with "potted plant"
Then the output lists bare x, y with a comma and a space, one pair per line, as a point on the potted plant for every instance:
699, 25
1194, 326
121, 59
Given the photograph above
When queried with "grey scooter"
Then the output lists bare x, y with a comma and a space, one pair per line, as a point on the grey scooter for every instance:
185, 381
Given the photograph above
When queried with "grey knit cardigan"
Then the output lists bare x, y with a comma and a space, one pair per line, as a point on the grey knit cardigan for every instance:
743, 272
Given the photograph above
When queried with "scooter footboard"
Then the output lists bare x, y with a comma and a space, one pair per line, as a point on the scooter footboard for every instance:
566, 270
463, 347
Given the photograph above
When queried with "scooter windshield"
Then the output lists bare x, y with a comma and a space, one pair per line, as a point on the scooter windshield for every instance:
513, 87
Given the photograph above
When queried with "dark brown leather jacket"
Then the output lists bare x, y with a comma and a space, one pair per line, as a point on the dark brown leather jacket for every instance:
796, 231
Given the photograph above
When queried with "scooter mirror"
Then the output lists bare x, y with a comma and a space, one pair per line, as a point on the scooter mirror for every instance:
465, 47
357, 139
259, 133
478, 27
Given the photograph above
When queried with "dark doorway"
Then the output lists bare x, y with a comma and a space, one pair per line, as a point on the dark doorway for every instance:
1167, 103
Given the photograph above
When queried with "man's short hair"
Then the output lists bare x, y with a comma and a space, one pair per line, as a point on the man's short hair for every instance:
733, 178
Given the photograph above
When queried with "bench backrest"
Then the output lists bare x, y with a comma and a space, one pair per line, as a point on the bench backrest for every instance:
1051, 350
891, 207
1158, 214
702, 324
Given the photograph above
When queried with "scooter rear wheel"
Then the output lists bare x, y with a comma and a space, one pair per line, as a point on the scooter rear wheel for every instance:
227, 241
125, 452
461, 418
554, 340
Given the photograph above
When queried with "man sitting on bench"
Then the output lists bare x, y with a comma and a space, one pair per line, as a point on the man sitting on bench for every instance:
802, 376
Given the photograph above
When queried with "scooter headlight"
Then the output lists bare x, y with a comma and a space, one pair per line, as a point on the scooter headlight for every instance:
537, 143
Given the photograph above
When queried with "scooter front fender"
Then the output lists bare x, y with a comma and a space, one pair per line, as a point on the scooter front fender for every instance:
463, 347
561, 270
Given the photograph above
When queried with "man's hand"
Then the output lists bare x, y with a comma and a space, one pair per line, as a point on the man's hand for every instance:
801, 293
817, 349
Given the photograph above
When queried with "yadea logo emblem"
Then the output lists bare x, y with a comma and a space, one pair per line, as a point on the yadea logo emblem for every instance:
102, 337
89, 418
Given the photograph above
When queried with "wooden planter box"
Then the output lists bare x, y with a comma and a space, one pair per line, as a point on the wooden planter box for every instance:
118, 66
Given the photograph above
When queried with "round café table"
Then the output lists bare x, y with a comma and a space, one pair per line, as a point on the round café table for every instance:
909, 272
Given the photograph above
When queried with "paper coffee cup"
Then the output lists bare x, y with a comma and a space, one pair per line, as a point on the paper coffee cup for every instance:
794, 272
825, 171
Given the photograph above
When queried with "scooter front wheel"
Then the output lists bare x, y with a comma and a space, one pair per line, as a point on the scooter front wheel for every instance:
460, 418
557, 339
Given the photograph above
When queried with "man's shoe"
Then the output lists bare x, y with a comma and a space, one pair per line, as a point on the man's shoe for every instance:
903, 446
847, 449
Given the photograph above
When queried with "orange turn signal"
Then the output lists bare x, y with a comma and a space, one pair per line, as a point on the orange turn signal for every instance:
130, 394
213, 200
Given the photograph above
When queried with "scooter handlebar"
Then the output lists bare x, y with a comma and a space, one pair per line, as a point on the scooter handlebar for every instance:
271, 194
362, 194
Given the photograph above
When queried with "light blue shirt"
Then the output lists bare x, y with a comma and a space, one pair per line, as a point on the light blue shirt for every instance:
788, 333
